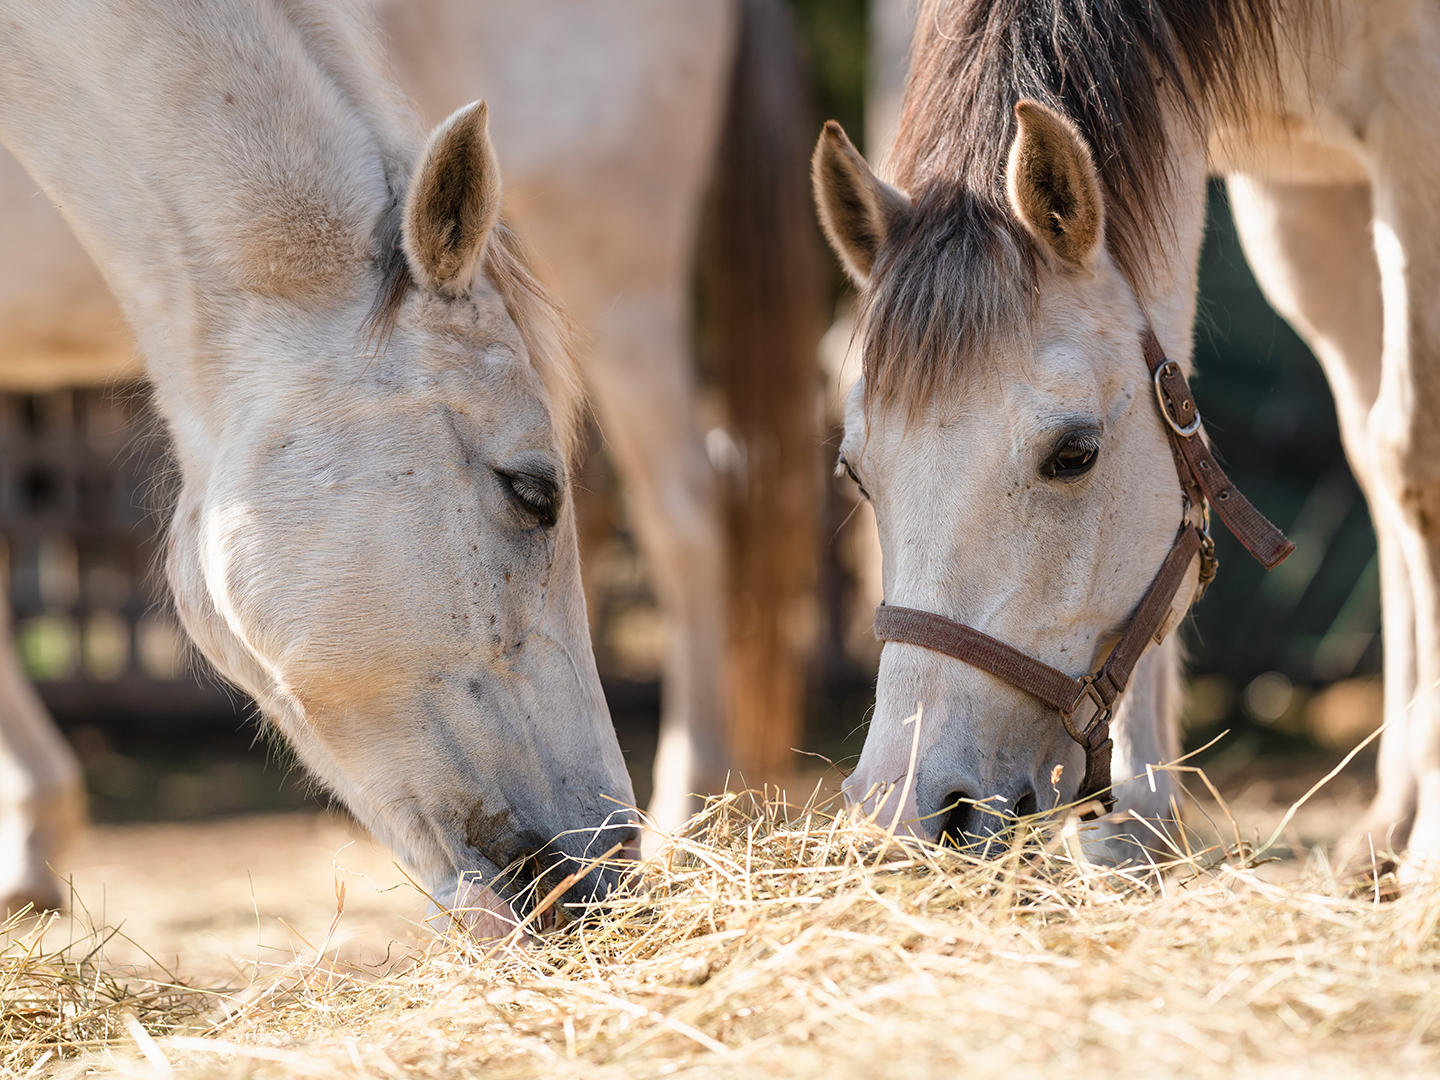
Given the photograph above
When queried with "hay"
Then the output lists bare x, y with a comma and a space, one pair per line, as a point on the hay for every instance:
775, 940
57, 1002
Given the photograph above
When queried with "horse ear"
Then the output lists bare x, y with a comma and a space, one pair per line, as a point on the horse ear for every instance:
1053, 185
453, 203
857, 208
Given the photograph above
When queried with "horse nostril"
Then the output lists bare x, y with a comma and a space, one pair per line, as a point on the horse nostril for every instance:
956, 827
967, 823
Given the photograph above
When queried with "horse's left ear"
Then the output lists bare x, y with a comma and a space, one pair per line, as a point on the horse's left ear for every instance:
453, 203
1054, 187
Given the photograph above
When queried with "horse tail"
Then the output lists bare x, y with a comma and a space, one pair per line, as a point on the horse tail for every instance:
763, 288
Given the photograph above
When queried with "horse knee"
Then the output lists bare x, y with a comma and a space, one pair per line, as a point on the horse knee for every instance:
684, 544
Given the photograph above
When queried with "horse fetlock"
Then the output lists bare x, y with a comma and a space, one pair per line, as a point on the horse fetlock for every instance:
689, 765
1373, 842
1421, 859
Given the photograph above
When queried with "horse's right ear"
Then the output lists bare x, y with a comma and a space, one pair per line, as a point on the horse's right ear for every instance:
857, 208
453, 203
1053, 185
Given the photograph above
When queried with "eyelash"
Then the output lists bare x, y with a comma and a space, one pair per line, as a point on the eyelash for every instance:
1087, 443
537, 496
843, 467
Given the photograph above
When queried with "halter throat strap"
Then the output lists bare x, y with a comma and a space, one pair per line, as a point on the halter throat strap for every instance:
1205, 485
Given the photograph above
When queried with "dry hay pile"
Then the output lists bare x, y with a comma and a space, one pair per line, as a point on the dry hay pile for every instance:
771, 941
56, 1003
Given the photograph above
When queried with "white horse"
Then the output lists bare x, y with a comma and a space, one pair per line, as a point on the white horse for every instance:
1006, 427
373, 406
612, 119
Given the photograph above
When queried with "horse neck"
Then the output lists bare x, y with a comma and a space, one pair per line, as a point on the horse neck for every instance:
225, 167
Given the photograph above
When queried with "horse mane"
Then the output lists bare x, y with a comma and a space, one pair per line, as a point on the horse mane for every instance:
550, 336
962, 273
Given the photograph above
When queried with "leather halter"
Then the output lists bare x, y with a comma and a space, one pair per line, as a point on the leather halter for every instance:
1205, 486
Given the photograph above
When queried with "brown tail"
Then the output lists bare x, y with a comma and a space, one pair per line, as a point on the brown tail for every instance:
762, 315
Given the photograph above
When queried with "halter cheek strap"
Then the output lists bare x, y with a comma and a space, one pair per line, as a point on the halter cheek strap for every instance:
1205, 486
1205, 483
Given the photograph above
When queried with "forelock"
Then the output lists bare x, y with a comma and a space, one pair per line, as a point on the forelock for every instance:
954, 285
959, 280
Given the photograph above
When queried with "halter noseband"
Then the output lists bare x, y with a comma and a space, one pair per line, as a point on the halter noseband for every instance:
1205, 486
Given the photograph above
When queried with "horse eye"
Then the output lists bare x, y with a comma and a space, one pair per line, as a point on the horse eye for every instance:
843, 467
1073, 457
538, 494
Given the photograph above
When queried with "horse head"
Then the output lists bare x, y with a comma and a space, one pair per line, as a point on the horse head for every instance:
1006, 431
382, 550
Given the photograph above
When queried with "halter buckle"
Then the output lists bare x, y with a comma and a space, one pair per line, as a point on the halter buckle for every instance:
1186, 430
1086, 736
1209, 564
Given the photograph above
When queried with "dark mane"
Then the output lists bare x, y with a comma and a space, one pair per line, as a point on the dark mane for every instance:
962, 273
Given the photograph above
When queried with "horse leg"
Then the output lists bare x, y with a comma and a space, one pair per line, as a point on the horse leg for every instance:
1405, 421
1312, 250
644, 394
42, 797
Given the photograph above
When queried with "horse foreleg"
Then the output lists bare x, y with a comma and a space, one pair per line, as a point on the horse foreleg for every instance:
645, 395
42, 797
1312, 249
1405, 422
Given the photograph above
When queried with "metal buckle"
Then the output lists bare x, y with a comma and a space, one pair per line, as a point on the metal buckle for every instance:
1102, 713
1190, 428
1209, 564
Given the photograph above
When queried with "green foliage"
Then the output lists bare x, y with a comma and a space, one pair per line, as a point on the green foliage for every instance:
833, 42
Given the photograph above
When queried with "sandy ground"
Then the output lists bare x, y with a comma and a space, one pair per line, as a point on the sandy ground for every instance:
1260, 797
215, 902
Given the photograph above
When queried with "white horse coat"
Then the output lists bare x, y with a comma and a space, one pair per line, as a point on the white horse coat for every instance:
606, 119
373, 408
1332, 162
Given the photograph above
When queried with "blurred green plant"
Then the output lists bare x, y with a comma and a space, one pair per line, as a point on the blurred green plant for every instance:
49, 646
833, 41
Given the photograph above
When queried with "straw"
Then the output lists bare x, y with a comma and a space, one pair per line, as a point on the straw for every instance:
772, 939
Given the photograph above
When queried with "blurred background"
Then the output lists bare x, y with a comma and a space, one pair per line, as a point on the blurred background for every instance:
1288, 662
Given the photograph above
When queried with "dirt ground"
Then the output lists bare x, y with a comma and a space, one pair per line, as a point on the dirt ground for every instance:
216, 902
